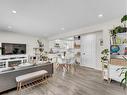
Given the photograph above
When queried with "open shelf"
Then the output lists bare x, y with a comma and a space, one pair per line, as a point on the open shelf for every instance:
120, 44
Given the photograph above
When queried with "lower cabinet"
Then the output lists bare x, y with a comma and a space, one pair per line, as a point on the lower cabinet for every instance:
8, 79
114, 73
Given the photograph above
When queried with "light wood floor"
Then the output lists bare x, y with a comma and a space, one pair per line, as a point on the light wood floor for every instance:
84, 81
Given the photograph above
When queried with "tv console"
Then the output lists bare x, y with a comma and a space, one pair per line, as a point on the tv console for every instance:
12, 60
8, 78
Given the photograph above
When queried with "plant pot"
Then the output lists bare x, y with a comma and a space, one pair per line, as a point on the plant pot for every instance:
114, 39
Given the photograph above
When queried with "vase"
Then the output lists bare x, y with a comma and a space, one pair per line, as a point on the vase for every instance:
114, 40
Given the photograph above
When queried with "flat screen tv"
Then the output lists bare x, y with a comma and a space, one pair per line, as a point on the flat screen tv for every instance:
12, 48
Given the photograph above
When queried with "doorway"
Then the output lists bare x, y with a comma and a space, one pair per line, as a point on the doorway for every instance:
88, 50
91, 50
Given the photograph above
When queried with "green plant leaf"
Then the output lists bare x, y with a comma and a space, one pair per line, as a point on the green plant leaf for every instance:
122, 82
122, 72
124, 18
119, 29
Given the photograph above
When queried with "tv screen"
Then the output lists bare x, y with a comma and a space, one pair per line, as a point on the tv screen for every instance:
12, 48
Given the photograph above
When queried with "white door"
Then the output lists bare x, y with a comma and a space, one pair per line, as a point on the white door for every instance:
88, 50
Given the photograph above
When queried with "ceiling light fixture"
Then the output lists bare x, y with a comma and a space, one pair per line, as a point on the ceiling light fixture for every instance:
100, 15
13, 11
62, 28
9, 27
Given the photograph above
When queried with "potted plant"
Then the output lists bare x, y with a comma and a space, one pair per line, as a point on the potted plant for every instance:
124, 80
105, 54
124, 73
118, 29
113, 35
44, 56
124, 20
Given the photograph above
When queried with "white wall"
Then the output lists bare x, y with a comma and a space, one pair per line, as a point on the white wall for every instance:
93, 28
30, 41
104, 27
99, 48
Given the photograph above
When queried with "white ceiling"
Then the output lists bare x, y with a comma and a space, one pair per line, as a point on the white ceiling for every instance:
47, 17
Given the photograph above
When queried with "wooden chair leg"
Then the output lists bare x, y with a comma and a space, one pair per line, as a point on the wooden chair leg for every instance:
17, 88
19, 85
46, 79
109, 80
